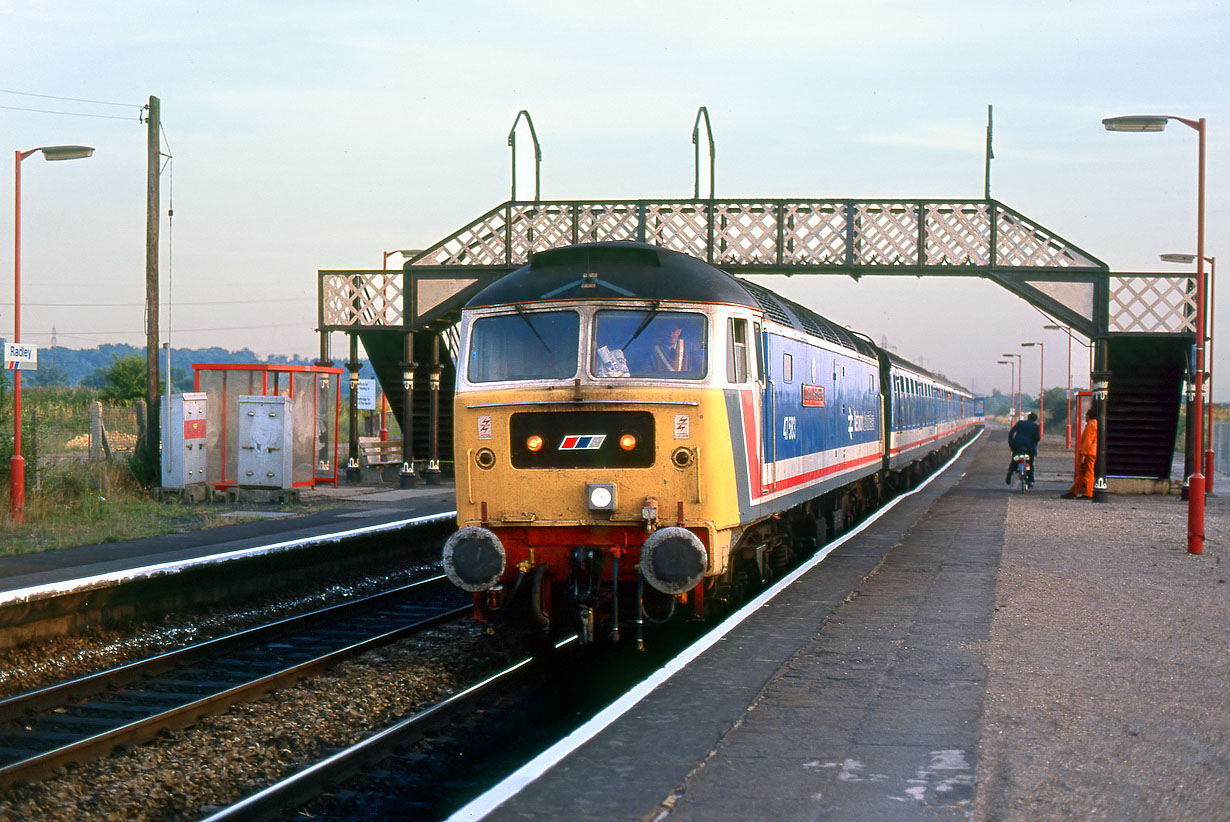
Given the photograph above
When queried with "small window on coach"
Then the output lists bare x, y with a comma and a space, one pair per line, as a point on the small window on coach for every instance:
649, 344
528, 345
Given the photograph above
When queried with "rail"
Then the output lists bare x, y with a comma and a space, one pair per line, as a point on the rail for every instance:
87, 717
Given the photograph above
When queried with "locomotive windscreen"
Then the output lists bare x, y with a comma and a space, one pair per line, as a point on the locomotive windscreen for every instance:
528, 345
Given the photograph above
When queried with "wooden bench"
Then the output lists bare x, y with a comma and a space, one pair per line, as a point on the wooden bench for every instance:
377, 453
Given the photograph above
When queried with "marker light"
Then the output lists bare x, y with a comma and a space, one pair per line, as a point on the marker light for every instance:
534, 443
627, 442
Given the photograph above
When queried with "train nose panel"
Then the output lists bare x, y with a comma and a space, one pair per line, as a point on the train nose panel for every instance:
673, 560
474, 559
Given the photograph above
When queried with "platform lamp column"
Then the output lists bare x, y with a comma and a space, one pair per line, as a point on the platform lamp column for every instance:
1196, 490
433, 431
17, 465
1020, 386
407, 478
1041, 400
1018, 401
353, 474
1208, 451
384, 266
1208, 361
1068, 331
1011, 382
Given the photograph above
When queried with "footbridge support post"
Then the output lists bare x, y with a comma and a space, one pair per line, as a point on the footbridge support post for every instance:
407, 478
353, 365
433, 429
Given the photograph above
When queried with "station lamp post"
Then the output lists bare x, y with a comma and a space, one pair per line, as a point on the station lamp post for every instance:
1011, 386
1041, 402
405, 252
1068, 436
1208, 451
1195, 483
17, 466
703, 112
512, 143
1019, 402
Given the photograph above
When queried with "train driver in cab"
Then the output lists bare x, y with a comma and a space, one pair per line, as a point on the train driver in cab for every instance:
675, 352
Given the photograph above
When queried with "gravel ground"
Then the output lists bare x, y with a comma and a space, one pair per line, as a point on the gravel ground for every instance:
224, 758
1108, 667
97, 648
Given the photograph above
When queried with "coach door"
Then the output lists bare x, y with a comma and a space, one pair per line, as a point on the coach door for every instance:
770, 378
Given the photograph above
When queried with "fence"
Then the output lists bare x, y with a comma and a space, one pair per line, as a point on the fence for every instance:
67, 438
1221, 448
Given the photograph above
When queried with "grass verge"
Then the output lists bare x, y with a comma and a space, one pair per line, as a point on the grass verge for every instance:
104, 504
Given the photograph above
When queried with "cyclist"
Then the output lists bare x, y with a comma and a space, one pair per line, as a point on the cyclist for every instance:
1023, 439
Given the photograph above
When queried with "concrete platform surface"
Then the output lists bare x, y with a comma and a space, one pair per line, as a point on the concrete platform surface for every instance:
866, 690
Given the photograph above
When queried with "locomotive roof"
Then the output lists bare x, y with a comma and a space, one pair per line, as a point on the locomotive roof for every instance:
636, 271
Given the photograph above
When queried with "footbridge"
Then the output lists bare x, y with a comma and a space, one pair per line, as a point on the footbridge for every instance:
1142, 324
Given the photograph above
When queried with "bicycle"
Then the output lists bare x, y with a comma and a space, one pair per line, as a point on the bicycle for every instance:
1022, 469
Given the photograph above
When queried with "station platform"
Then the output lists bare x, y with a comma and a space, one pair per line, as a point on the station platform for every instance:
922, 671
356, 510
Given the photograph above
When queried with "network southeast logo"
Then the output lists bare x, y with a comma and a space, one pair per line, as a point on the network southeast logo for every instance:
582, 442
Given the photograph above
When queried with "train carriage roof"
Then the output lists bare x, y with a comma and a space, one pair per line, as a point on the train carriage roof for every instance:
902, 363
636, 271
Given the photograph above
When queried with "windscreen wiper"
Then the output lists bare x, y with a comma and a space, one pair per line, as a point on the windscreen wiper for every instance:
523, 314
653, 311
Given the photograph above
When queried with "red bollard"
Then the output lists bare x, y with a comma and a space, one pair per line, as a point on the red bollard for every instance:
17, 488
1208, 472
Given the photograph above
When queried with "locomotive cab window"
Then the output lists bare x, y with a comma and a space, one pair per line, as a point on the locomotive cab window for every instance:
649, 344
528, 345
736, 344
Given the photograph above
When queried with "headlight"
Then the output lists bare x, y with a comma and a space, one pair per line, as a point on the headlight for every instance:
601, 496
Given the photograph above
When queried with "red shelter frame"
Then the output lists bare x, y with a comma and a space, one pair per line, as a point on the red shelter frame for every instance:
316, 393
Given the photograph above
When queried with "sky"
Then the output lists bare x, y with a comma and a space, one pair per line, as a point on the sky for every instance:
314, 135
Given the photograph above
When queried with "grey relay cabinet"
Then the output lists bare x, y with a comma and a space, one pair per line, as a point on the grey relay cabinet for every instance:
183, 447
265, 437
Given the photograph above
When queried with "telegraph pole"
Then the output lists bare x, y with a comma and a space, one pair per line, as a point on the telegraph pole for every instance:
153, 436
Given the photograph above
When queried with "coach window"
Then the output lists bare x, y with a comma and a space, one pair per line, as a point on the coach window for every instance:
650, 343
736, 344
528, 345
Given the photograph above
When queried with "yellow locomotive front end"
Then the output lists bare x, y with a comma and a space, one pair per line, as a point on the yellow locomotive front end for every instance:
593, 449
574, 481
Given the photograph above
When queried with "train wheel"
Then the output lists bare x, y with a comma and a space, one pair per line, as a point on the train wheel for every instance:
744, 580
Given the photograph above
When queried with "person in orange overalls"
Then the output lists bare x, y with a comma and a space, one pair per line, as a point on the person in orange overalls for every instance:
1082, 488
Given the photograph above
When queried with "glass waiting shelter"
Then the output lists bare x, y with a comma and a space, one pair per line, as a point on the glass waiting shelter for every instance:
316, 394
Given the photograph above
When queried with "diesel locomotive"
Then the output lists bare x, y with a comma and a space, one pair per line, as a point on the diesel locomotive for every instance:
637, 431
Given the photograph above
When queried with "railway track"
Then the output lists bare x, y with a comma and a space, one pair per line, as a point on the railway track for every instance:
86, 718
429, 764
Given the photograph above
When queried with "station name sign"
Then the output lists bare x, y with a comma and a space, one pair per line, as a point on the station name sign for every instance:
20, 357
